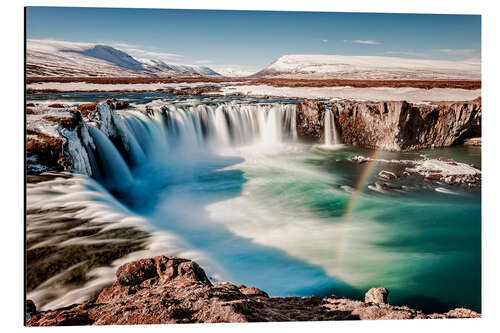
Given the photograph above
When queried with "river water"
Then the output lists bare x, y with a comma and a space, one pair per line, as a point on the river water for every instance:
255, 205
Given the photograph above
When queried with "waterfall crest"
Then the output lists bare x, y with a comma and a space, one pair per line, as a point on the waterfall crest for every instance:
120, 145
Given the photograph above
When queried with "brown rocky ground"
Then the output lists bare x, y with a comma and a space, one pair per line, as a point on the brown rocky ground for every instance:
47, 149
164, 290
425, 84
190, 91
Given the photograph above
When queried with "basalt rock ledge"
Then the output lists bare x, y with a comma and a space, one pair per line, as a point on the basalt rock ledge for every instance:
394, 125
163, 290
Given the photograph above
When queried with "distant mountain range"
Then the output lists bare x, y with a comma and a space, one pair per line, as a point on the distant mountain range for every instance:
310, 66
56, 58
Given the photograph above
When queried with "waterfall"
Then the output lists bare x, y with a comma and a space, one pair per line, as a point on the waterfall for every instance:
230, 125
331, 136
112, 166
120, 147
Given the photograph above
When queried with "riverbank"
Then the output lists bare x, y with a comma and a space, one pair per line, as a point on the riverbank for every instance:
167, 290
410, 91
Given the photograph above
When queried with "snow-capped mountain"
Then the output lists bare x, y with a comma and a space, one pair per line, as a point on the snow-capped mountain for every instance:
56, 58
235, 71
369, 68
160, 66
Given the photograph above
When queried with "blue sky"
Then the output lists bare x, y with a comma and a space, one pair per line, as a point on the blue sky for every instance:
254, 39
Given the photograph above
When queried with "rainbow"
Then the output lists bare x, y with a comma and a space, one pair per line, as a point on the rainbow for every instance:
367, 173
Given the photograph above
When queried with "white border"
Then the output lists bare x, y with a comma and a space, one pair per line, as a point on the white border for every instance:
11, 121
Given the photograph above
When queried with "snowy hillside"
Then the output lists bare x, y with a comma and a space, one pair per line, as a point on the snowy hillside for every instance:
160, 66
369, 68
56, 58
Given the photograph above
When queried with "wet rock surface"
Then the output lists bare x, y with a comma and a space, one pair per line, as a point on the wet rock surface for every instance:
117, 104
30, 307
174, 290
384, 174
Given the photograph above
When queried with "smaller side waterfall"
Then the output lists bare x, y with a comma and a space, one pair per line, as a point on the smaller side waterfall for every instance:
331, 135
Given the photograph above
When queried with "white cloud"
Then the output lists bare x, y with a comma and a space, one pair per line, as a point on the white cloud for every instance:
137, 52
409, 53
325, 40
364, 42
118, 45
458, 51
472, 61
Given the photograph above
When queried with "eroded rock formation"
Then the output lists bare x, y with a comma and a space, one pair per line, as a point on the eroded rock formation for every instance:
394, 125
310, 119
57, 137
174, 290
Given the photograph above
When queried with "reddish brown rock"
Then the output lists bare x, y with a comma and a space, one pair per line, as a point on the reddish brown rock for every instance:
30, 105
87, 108
116, 104
196, 91
278, 82
29, 111
56, 106
173, 290
309, 119
48, 150
69, 122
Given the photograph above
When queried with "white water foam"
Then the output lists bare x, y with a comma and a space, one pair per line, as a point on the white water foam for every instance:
98, 206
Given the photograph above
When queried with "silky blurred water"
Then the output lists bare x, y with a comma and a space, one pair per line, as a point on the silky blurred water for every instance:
292, 223
294, 218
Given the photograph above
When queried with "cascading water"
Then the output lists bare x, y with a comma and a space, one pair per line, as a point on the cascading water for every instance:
135, 142
279, 219
331, 136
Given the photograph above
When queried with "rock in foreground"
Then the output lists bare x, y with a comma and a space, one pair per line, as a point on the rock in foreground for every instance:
173, 290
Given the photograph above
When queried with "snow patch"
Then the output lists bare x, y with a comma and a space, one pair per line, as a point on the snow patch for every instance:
412, 95
371, 67
446, 168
